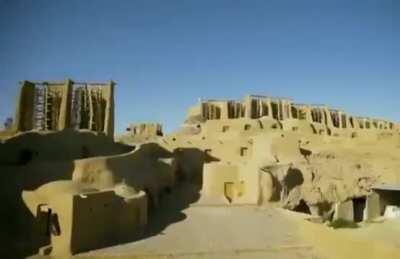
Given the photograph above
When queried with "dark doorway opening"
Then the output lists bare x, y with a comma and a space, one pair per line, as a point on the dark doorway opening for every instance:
302, 207
358, 207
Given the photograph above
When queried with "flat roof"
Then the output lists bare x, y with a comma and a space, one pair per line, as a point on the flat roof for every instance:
60, 82
386, 187
270, 97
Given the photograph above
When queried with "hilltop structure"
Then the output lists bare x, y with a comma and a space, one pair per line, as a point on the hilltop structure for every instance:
57, 105
262, 144
282, 109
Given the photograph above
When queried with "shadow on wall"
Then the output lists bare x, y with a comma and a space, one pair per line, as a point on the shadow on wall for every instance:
170, 210
276, 188
21, 235
293, 178
281, 181
29, 160
171, 180
57, 146
150, 168
190, 163
189, 174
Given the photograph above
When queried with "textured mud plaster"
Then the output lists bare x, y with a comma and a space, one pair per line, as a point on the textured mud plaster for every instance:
57, 105
65, 145
344, 210
147, 167
79, 218
288, 153
230, 183
372, 207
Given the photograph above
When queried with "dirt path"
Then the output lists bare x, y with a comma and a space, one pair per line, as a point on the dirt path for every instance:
214, 232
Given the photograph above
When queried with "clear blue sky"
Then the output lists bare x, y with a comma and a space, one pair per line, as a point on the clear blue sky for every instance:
166, 54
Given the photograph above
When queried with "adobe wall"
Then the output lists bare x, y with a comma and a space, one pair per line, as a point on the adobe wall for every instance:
24, 112
145, 129
314, 146
120, 219
225, 183
82, 218
64, 145
58, 105
137, 133
280, 148
31, 159
149, 167
216, 177
323, 120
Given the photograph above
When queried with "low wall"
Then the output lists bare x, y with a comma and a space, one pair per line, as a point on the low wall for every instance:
64, 145
148, 168
78, 218
101, 219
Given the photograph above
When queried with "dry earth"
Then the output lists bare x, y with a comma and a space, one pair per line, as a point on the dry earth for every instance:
180, 230
213, 232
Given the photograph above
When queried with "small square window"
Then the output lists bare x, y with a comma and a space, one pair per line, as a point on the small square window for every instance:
243, 151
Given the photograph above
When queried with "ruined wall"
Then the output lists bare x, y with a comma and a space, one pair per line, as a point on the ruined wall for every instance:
252, 107
145, 129
149, 167
259, 151
283, 153
31, 159
57, 105
43, 106
93, 107
286, 154
140, 132
221, 180
24, 112
230, 183
64, 145
78, 218
319, 170
120, 219
324, 120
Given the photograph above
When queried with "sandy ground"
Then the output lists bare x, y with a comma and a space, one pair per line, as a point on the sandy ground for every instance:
220, 232
370, 241
181, 228
214, 232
